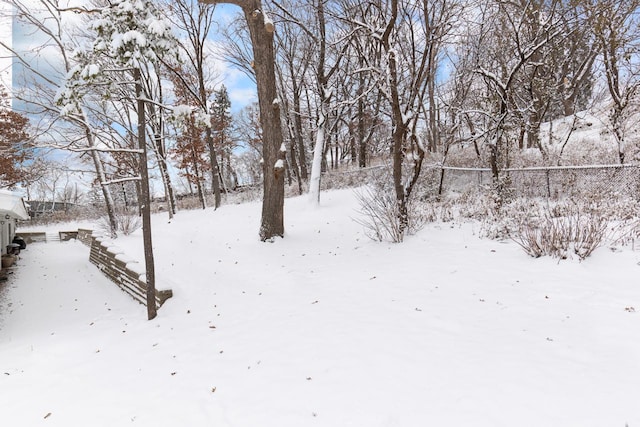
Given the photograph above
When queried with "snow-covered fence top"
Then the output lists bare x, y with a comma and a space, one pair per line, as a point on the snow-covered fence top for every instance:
125, 272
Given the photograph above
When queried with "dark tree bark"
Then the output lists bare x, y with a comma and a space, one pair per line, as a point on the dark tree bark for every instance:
299, 140
261, 31
144, 203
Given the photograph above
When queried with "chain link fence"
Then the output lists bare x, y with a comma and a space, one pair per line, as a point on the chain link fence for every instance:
553, 182
546, 182
608, 181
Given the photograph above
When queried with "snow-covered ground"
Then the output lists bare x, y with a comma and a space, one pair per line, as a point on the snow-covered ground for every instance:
322, 328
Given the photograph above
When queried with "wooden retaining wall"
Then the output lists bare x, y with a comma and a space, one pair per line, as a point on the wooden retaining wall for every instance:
85, 236
32, 236
127, 273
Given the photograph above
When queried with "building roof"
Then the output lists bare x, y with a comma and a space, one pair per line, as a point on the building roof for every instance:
13, 205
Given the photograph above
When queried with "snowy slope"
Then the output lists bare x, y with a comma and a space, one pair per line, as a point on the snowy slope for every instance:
322, 328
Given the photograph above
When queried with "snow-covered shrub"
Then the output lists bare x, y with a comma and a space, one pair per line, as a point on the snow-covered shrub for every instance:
351, 177
499, 221
379, 212
379, 215
126, 223
252, 194
563, 230
73, 214
627, 233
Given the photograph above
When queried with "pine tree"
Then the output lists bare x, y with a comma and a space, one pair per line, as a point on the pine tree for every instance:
221, 126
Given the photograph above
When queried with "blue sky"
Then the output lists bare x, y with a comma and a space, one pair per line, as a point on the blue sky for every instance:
241, 88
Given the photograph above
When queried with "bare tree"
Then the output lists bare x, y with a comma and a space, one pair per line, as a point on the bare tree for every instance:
501, 62
46, 21
409, 53
617, 27
294, 50
324, 51
157, 127
195, 20
130, 58
261, 29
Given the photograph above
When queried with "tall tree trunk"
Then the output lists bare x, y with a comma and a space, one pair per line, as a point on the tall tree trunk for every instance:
398, 124
362, 145
199, 178
323, 113
299, 140
261, 31
145, 203
618, 133
318, 155
215, 169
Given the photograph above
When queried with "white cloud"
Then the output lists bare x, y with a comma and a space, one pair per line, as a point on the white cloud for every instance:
241, 89
241, 97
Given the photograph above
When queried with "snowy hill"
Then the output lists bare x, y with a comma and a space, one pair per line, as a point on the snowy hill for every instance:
322, 328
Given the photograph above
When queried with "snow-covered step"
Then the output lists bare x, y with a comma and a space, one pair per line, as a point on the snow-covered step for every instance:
53, 237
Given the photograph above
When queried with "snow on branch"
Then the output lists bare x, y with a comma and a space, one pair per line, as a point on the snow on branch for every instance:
122, 180
181, 114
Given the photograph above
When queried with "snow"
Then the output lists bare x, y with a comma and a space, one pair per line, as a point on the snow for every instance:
13, 205
181, 112
158, 27
90, 71
321, 328
268, 23
120, 40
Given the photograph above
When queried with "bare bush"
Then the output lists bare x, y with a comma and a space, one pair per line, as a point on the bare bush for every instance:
379, 211
73, 214
126, 223
560, 235
380, 214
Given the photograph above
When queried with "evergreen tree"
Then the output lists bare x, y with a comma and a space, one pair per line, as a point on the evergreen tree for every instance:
221, 126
